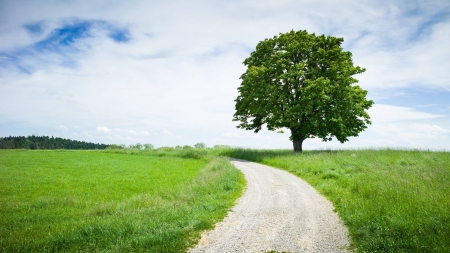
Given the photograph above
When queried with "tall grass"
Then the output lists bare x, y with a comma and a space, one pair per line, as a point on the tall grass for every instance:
391, 200
102, 201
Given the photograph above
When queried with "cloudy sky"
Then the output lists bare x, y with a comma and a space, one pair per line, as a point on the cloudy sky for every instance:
167, 72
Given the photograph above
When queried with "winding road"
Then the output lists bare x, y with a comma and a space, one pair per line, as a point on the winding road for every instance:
278, 212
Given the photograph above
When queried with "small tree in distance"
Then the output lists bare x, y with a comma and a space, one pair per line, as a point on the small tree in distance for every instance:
200, 145
304, 83
148, 146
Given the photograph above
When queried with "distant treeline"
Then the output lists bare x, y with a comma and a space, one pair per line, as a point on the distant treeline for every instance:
45, 142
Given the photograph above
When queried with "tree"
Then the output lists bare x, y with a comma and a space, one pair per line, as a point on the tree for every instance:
148, 146
200, 145
304, 83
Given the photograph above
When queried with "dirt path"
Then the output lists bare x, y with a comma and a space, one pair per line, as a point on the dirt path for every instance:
280, 212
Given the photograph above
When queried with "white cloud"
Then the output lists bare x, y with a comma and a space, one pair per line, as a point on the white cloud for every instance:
387, 113
130, 132
103, 129
167, 132
119, 131
413, 135
63, 128
437, 130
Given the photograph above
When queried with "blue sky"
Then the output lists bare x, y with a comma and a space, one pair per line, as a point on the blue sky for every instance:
167, 72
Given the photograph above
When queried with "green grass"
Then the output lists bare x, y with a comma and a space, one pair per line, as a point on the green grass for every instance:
391, 200
98, 201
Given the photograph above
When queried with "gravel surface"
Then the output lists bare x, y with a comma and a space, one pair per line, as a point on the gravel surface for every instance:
279, 212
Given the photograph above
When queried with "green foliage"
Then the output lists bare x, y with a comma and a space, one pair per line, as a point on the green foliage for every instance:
304, 83
391, 200
45, 142
137, 146
164, 148
116, 146
148, 146
110, 201
200, 145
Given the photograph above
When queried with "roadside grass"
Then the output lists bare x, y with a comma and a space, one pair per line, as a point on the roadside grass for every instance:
104, 201
391, 200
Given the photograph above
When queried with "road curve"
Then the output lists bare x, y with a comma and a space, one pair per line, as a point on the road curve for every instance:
279, 212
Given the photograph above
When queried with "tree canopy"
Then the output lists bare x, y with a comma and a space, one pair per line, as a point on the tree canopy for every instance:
304, 83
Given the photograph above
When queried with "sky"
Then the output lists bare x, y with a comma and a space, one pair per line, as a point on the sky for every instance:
167, 72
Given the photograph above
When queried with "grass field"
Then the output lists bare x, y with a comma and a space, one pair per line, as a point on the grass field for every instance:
391, 200
160, 200
98, 201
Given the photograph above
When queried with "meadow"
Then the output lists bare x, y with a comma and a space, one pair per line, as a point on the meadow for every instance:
391, 200
129, 200
112, 201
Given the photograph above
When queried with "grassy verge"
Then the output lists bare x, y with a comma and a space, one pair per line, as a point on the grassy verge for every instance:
391, 200
95, 201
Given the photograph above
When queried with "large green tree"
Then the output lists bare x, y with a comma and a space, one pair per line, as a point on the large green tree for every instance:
304, 83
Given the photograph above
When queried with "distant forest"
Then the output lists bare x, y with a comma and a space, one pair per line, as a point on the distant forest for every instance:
45, 142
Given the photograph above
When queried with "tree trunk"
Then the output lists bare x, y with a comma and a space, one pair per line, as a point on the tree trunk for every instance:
297, 146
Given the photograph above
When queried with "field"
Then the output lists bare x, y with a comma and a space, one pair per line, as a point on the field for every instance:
160, 200
391, 200
115, 201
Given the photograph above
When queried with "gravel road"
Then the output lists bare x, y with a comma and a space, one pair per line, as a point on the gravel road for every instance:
279, 212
